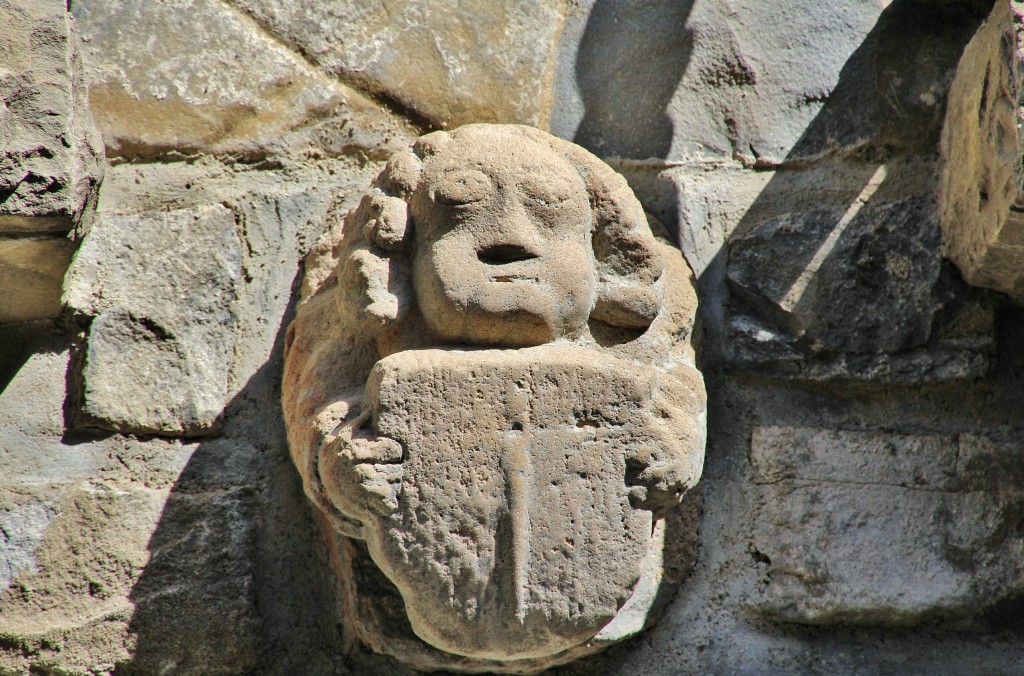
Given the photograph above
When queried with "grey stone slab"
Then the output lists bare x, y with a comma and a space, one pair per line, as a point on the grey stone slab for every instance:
878, 528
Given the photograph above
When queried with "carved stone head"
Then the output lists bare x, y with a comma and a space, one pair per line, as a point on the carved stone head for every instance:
514, 497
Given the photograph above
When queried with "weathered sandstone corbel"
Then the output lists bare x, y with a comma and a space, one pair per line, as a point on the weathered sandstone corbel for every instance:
982, 183
490, 381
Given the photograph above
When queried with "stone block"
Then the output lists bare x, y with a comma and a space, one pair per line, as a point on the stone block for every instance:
836, 271
159, 288
31, 274
210, 624
450, 62
51, 160
175, 78
169, 588
876, 528
686, 80
982, 183
34, 363
68, 611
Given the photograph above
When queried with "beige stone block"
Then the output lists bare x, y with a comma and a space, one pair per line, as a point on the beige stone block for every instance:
176, 78
878, 528
31, 273
159, 288
981, 180
51, 159
452, 62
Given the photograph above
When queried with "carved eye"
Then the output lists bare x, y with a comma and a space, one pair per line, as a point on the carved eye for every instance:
462, 187
548, 192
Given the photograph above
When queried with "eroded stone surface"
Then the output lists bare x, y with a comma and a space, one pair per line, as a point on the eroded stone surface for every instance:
31, 275
509, 494
50, 159
452, 62
875, 528
678, 79
836, 271
179, 77
160, 287
50, 164
982, 193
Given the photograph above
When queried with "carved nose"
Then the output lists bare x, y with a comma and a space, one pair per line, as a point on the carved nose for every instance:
500, 254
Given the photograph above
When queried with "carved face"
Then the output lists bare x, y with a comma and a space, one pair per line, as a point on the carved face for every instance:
503, 243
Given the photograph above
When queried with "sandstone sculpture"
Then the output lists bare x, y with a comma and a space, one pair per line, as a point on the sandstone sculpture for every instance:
490, 381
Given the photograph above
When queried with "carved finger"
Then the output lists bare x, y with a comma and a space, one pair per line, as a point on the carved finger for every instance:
360, 472
382, 482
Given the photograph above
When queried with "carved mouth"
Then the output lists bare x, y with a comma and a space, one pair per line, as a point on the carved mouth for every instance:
503, 254
512, 278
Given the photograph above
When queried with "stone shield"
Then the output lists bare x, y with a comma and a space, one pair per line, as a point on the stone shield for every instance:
513, 534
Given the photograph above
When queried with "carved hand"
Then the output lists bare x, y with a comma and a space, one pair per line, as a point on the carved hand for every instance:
660, 471
360, 471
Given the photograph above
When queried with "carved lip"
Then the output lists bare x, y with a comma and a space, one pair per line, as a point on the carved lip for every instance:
504, 254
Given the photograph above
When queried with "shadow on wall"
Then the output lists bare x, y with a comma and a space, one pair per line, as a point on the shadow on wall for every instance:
238, 579
840, 253
629, 63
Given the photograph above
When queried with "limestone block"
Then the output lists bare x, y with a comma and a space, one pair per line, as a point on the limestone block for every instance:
494, 389
69, 611
51, 160
34, 364
451, 62
175, 78
982, 184
159, 288
210, 624
878, 528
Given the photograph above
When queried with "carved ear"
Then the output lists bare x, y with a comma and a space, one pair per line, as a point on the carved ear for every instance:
374, 287
628, 263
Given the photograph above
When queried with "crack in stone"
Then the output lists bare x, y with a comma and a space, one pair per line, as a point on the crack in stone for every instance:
815, 481
421, 123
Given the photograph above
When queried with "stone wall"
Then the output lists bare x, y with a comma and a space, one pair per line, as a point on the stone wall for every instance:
862, 496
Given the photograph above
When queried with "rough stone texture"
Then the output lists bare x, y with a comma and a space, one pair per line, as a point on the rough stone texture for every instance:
727, 120
484, 481
51, 159
852, 521
31, 273
50, 166
161, 341
834, 270
676, 79
449, 62
982, 186
825, 282
179, 77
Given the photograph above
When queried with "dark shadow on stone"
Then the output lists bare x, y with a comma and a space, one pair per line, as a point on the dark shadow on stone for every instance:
629, 63
238, 580
20, 340
836, 268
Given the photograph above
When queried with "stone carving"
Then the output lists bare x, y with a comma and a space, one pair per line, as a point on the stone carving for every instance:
981, 197
490, 381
